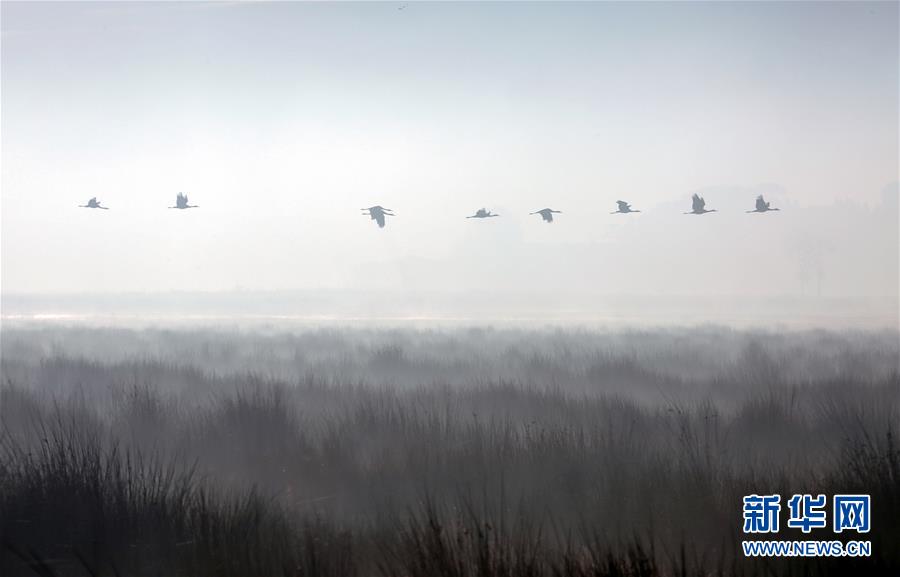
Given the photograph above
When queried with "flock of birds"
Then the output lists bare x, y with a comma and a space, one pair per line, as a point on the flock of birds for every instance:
378, 213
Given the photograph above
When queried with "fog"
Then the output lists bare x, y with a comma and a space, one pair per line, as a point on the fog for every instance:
497, 452
272, 384
282, 120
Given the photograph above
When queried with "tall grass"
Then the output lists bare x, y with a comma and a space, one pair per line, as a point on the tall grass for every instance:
167, 467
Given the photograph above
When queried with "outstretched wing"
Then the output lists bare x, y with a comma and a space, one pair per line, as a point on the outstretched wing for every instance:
761, 204
697, 203
623, 206
379, 218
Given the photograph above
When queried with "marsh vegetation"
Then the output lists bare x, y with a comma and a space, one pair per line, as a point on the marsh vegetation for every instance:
456, 452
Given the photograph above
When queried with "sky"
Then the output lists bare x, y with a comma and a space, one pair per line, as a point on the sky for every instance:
282, 120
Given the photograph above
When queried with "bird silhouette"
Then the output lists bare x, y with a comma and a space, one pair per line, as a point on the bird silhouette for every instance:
624, 208
181, 202
93, 203
547, 214
762, 205
377, 213
483, 213
698, 205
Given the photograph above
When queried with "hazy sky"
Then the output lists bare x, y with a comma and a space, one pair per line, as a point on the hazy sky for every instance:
282, 120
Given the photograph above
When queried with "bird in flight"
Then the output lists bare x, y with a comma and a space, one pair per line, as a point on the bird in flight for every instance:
547, 214
93, 203
483, 213
377, 213
624, 208
698, 205
181, 202
762, 205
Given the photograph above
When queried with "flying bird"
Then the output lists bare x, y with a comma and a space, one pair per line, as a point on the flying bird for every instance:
181, 202
547, 214
624, 208
377, 213
93, 203
483, 213
762, 205
698, 205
